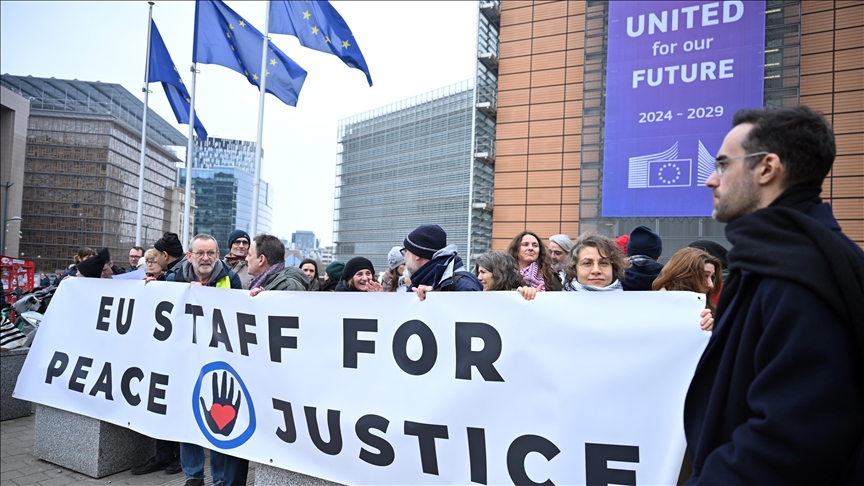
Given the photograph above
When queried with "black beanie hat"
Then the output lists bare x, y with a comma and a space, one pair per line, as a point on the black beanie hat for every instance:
170, 244
92, 267
714, 249
643, 241
238, 233
426, 240
354, 265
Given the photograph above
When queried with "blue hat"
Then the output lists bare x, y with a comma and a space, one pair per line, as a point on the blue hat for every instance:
238, 233
643, 241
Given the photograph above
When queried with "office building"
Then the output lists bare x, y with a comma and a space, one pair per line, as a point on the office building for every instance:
81, 169
223, 181
304, 240
14, 112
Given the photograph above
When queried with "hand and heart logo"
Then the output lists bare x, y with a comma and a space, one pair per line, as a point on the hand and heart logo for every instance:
227, 406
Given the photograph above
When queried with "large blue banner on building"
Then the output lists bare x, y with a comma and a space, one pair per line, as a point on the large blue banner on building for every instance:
676, 73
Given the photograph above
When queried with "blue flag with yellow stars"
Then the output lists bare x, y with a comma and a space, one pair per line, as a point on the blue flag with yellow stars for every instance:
222, 37
162, 70
318, 26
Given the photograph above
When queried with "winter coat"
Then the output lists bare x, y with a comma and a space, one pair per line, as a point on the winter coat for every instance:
241, 268
641, 273
439, 272
173, 267
289, 278
222, 276
342, 286
778, 395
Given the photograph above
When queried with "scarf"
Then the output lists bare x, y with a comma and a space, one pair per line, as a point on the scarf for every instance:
257, 281
531, 275
575, 286
782, 241
428, 274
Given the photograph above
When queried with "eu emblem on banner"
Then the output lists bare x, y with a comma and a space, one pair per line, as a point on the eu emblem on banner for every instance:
669, 173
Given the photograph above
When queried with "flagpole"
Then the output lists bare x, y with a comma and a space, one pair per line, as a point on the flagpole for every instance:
146, 90
190, 147
258, 150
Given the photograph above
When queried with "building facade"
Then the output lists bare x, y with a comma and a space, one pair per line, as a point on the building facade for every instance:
223, 182
14, 112
81, 169
303, 240
551, 110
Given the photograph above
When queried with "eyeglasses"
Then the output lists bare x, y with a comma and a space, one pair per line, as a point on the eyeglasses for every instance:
588, 264
720, 164
150, 262
402, 251
240, 242
208, 254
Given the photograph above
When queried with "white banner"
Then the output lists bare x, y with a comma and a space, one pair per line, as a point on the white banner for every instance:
483, 388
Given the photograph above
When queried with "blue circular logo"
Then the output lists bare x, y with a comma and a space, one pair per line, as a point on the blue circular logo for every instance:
227, 407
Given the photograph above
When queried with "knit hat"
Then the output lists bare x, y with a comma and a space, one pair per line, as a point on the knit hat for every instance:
92, 267
170, 244
713, 248
354, 265
238, 233
622, 241
426, 240
563, 241
643, 241
395, 258
334, 271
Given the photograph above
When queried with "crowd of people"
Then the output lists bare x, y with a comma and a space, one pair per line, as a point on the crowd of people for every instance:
777, 397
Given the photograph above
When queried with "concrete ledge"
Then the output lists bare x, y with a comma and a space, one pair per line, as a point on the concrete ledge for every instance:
87, 445
273, 476
11, 363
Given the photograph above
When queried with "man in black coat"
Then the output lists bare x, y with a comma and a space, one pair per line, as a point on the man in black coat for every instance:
778, 395
644, 249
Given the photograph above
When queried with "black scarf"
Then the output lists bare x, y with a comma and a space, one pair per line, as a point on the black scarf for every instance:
782, 241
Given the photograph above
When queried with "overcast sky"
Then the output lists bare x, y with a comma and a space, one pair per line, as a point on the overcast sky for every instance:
411, 47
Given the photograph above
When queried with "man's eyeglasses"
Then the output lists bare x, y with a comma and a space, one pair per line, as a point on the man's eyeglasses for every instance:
720, 164
402, 251
208, 254
240, 242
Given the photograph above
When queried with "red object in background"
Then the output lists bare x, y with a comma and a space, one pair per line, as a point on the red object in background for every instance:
16, 273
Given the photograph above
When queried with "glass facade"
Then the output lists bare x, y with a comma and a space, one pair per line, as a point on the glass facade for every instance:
81, 170
223, 180
401, 166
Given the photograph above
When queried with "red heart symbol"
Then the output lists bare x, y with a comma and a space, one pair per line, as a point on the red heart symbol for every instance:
222, 414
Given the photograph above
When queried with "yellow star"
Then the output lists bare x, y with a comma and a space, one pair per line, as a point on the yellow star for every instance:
266, 72
327, 38
247, 72
228, 34
272, 62
181, 80
306, 15
187, 100
345, 44
232, 48
230, 26
255, 77
175, 68
242, 24
315, 30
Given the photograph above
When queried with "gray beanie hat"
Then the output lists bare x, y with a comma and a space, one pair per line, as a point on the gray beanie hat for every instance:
563, 241
395, 258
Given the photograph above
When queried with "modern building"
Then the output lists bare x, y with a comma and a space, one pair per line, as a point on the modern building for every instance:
14, 112
223, 181
304, 240
81, 168
552, 99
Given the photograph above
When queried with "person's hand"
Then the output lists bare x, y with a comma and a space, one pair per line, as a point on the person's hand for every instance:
529, 292
374, 286
193, 284
707, 320
421, 290
149, 279
222, 414
67, 276
256, 291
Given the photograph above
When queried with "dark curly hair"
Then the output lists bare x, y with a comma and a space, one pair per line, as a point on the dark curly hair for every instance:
605, 246
544, 261
502, 266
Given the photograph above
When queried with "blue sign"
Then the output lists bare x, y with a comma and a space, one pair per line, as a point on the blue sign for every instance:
675, 74
217, 410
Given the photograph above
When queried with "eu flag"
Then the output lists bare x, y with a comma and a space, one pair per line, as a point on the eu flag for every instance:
222, 37
162, 70
318, 26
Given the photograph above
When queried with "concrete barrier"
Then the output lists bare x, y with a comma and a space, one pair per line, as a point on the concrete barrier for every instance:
273, 476
10, 365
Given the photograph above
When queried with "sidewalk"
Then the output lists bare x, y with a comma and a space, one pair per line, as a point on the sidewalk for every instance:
18, 466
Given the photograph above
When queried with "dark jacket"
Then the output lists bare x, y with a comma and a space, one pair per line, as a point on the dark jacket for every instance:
220, 271
289, 278
446, 272
641, 273
173, 267
342, 286
778, 395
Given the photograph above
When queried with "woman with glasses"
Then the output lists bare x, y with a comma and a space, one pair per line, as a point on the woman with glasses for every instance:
153, 269
596, 264
533, 262
693, 270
